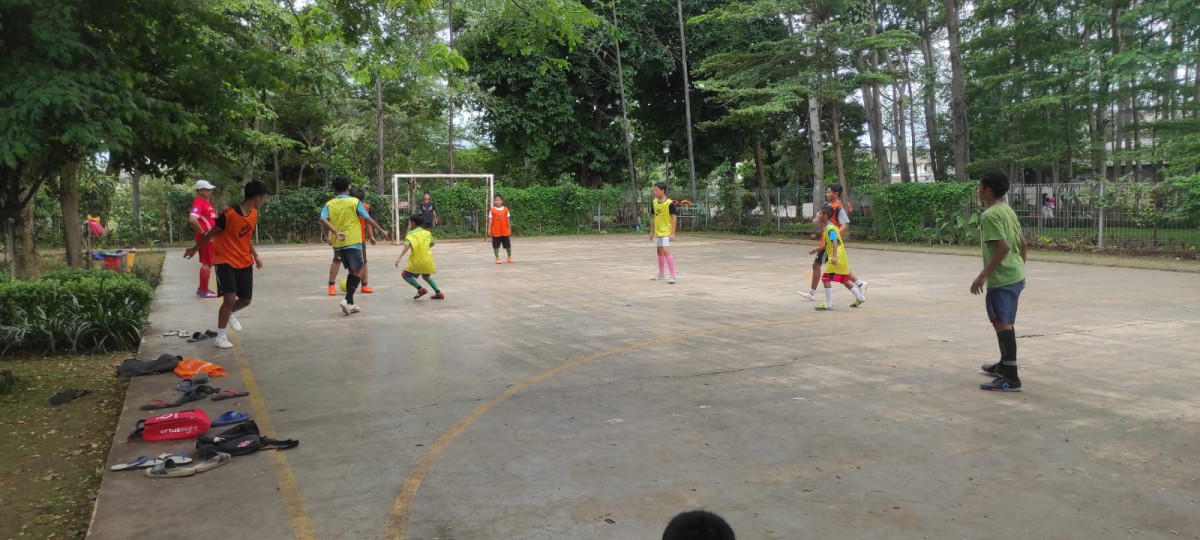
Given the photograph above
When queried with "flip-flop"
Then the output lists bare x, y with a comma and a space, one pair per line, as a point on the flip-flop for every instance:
140, 462
178, 459
67, 396
188, 385
168, 469
228, 394
176, 333
231, 417
196, 394
197, 336
211, 463
156, 404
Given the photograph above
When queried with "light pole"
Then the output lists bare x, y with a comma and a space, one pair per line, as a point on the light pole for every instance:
667, 157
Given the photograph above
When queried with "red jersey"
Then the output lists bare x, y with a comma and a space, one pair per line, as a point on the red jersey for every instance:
205, 213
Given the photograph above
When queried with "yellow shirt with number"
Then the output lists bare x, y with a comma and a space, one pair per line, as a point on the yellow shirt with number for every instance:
662, 217
420, 261
343, 215
831, 236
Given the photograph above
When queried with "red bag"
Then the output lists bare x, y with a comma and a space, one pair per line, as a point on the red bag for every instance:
176, 425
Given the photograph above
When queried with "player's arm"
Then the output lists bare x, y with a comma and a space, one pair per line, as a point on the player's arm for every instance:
487, 230
362, 213
674, 220
843, 221
194, 221
257, 261
435, 219
834, 240
403, 252
1000, 249
208, 236
1024, 246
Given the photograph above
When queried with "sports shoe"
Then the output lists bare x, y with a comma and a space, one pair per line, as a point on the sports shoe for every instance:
991, 369
807, 295
510, 261
333, 290
234, 324
206, 294
438, 296
863, 288
671, 280
498, 260
345, 307
824, 307
1002, 384
367, 289
858, 302
223, 342
659, 277
354, 308
421, 292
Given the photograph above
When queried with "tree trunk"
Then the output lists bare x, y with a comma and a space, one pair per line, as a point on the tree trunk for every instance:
835, 118
624, 109
379, 172
958, 94
68, 193
135, 179
23, 250
278, 178
761, 174
300, 175
450, 88
898, 136
929, 91
912, 117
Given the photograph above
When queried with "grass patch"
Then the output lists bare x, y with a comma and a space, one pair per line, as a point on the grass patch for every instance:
54, 457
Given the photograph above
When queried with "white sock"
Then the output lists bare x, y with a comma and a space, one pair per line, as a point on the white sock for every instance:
812, 292
858, 283
829, 296
220, 333
857, 293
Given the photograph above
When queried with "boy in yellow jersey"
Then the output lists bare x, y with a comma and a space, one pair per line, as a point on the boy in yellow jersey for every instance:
837, 267
368, 234
662, 230
420, 263
340, 216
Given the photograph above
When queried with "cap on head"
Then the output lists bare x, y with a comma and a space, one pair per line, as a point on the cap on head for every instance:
203, 184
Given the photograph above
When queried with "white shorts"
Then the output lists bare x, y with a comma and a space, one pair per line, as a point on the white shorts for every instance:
662, 241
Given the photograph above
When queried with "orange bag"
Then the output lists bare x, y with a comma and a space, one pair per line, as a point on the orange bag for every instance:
189, 367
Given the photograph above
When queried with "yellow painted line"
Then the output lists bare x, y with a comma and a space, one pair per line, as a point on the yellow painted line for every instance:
302, 527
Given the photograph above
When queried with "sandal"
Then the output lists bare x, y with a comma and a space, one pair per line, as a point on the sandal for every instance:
228, 394
67, 396
140, 462
231, 417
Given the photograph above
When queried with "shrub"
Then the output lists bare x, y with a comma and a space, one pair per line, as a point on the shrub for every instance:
73, 310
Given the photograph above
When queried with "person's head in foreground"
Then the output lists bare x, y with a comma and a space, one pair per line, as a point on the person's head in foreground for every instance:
825, 214
698, 525
415, 221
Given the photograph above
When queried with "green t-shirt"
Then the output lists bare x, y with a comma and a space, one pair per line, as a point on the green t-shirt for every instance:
1000, 222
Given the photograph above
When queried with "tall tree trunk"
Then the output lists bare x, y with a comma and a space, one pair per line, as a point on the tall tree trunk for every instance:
68, 196
687, 99
898, 136
958, 94
300, 175
929, 91
379, 167
23, 250
761, 173
912, 128
883, 167
278, 178
624, 108
874, 125
450, 88
135, 180
835, 119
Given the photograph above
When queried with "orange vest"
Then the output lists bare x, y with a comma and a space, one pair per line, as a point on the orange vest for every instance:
232, 246
500, 226
833, 220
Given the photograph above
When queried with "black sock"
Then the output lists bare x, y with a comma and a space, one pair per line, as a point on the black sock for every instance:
351, 284
331, 283
1008, 350
1003, 349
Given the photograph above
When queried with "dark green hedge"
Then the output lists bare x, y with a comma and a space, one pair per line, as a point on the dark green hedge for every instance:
73, 311
911, 212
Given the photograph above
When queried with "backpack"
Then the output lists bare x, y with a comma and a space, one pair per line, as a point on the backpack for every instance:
176, 425
133, 367
241, 440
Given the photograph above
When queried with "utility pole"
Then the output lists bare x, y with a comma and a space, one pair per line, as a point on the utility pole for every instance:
687, 99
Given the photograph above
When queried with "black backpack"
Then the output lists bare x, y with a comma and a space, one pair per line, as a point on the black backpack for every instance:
133, 367
241, 440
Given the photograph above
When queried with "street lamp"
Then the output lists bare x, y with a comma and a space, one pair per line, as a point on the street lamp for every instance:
667, 157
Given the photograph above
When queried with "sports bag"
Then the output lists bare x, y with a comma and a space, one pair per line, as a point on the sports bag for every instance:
241, 440
170, 426
135, 368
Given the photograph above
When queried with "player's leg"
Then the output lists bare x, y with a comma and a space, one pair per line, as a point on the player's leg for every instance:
662, 258
811, 293
411, 279
507, 243
333, 272
206, 267
858, 295
227, 288
365, 288
352, 258
827, 280
437, 293
496, 248
670, 259
1001, 305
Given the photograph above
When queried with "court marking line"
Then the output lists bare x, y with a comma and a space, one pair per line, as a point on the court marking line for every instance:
302, 526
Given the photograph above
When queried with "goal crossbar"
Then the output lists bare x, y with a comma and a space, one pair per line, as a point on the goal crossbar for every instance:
491, 181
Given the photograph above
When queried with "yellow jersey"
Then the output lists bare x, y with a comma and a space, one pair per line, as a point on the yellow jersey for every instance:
343, 215
662, 217
420, 261
831, 238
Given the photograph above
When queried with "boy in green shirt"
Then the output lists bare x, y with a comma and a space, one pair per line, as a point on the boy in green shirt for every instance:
1003, 276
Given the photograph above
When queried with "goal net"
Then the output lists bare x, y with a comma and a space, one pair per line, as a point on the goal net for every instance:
409, 203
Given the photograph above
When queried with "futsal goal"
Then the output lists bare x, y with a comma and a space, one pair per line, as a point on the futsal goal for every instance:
407, 178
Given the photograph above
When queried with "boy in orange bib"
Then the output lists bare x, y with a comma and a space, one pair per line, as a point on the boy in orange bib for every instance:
499, 228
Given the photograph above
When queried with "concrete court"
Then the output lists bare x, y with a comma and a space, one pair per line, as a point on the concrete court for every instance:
725, 391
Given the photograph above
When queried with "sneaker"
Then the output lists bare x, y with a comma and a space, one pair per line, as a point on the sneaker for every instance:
824, 307
859, 302
345, 307
223, 342
438, 296
333, 290
807, 295
659, 277
207, 294
991, 369
1002, 384
354, 308
367, 289
671, 280
510, 261
498, 260
863, 288
234, 324
421, 292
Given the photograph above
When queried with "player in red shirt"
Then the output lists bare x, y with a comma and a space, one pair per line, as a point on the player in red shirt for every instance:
202, 219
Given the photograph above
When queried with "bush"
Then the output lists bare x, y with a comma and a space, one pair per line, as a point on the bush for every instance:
73, 310
915, 212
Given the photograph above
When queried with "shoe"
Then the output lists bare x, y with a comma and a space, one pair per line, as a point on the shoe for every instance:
1002, 384
234, 324
207, 294
333, 290
807, 296
438, 296
223, 342
510, 261
345, 307
991, 369
671, 280
498, 260
863, 288
367, 289
354, 308
421, 292
659, 277
859, 302
824, 307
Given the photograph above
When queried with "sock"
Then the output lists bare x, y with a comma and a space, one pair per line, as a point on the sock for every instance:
1003, 347
433, 284
858, 283
509, 250
662, 260
220, 333
351, 285
497, 252
829, 296
671, 264
331, 283
1008, 359
204, 274
857, 293
412, 280
812, 292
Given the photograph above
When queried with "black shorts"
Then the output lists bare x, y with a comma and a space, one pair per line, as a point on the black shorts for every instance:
821, 256
498, 241
337, 256
239, 281
352, 258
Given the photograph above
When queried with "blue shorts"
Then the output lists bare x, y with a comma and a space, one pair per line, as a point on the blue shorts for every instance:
406, 274
1002, 302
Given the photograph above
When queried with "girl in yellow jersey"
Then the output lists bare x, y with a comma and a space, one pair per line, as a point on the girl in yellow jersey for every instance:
837, 267
420, 264
662, 230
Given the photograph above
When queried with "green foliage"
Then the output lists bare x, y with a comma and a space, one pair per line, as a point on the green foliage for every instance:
902, 211
73, 311
540, 210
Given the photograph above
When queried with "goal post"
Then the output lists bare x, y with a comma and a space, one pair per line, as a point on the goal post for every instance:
396, 178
